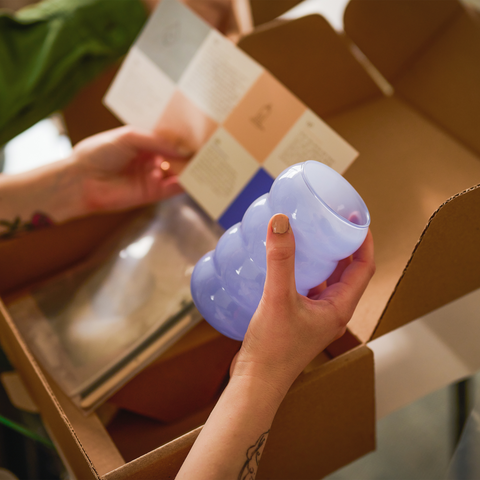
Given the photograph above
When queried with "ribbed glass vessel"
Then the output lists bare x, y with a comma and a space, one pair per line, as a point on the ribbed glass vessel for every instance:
329, 220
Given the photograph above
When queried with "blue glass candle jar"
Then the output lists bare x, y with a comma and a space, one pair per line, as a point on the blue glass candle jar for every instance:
329, 220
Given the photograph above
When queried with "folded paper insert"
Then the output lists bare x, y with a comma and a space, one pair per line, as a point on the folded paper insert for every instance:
95, 326
246, 126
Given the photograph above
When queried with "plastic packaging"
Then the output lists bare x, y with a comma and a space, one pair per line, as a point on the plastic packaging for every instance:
329, 220
96, 325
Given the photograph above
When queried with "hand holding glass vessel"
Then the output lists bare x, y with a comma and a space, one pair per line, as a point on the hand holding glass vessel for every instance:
329, 220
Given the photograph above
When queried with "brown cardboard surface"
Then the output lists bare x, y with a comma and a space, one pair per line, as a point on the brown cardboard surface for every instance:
410, 164
177, 386
443, 82
89, 431
338, 377
199, 335
392, 33
44, 397
148, 433
308, 425
438, 75
162, 463
437, 70
446, 252
407, 168
309, 58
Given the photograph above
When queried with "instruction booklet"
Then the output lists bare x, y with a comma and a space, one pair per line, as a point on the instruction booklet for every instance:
183, 76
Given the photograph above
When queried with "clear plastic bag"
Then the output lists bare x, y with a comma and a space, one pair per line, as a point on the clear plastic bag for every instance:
95, 326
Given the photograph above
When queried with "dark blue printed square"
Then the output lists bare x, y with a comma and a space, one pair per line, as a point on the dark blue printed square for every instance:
258, 185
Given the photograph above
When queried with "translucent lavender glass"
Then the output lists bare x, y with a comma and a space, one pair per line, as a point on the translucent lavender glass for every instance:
329, 220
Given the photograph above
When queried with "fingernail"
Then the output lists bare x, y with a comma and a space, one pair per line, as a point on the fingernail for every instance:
280, 223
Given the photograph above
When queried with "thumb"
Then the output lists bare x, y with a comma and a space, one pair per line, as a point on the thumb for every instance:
280, 280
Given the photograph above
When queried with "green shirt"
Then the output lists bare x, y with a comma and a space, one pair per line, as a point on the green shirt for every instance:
50, 50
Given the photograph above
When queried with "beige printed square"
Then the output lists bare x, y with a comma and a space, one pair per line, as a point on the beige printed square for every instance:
310, 139
264, 116
219, 171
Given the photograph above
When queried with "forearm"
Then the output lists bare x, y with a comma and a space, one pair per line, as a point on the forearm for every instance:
52, 190
232, 440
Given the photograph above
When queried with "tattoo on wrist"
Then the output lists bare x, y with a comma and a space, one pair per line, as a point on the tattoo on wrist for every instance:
250, 467
16, 226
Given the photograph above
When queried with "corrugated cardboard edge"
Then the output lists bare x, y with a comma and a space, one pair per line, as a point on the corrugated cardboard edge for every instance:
306, 419
43, 395
162, 463
423, 294
291, 439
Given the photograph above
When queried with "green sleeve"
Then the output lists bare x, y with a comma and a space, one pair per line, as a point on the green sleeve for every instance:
52, 49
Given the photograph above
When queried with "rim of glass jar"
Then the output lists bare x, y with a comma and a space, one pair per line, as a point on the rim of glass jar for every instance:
348, 185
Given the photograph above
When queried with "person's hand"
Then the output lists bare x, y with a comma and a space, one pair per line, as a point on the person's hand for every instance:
124, 168
289, 330
286, 332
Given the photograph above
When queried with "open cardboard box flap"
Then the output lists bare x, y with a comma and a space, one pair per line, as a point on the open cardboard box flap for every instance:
434, 65
413, 162
90, 453
429, 52
418, 151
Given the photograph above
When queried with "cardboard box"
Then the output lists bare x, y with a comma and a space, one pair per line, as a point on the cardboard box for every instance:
201, 361
418, 171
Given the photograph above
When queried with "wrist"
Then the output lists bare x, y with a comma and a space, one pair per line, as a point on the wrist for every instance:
254, 394
26, 193
53, 190
63, 199
273, 380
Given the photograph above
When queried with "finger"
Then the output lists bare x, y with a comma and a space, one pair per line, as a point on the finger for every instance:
316, 291
280, 281
156, 186
162, 143
169, 188
339, 269
357, 275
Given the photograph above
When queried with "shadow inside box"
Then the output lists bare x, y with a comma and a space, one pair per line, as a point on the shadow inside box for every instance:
172, 396
135, 435
184, 380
